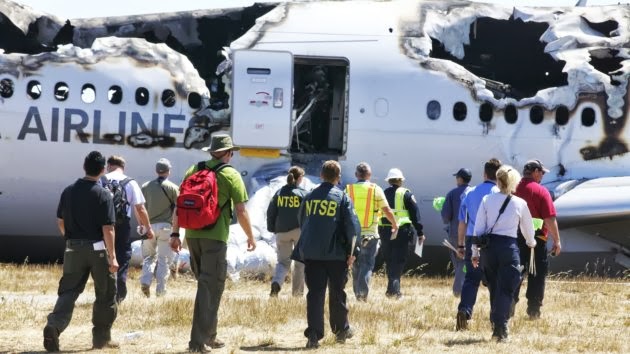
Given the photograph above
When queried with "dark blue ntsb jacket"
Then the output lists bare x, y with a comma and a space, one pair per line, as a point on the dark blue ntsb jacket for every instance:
282, 213
328, 224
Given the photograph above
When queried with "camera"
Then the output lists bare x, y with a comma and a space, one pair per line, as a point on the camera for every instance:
482, 241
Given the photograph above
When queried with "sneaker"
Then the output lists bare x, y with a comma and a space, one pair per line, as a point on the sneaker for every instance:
275, 289
312, 342
343, 335
199, 348
533, 312
462, 321
110, 344
215, 343
146, 290
51, 339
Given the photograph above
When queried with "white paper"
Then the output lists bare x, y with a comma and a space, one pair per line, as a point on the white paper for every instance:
99, 246
419, 246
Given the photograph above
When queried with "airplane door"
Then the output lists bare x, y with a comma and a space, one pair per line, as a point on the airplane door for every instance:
262, 99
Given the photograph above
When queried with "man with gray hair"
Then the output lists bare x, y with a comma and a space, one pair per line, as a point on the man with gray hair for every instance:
368, 198
160, 195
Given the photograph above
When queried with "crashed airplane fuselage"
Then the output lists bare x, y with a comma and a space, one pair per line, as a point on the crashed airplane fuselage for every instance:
426, 86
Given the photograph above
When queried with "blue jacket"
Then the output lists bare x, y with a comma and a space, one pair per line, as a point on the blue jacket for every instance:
450, 210
282, 213
328, 224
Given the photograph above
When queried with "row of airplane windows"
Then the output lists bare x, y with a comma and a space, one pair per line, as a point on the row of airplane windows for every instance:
88, 93
486, 111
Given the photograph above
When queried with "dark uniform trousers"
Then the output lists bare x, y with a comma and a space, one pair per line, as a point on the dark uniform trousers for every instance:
79, 261
500, 262
395, 254
535, 284
208, 263
318, 275
472, 279
123, 256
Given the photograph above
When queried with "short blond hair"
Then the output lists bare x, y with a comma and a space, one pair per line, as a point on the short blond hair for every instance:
507, 179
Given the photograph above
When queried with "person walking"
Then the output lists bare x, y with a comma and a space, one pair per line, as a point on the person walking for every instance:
160, 195
208, 246
329, 228
540, 206
85, 217
467, 214
282, 218
368, 199
134, 198
449, 213
499, 217
396, 251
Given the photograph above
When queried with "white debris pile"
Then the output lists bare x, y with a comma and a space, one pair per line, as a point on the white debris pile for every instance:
181, 260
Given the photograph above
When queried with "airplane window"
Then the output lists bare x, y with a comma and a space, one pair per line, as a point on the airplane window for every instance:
34, 89
562, 115
434, 110
194, 100
459, 111
536, 114
61, 91
88, 93
588, 117
510, 114
142, 96
6, 88
486, 112
168, 98
115, 94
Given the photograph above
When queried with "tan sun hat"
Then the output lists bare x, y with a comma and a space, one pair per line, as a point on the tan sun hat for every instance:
221, 143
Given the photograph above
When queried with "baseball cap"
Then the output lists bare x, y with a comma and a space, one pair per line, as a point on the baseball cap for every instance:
162, 165
533, 165
463, 173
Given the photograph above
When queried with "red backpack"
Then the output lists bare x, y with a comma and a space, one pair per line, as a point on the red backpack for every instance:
198, 200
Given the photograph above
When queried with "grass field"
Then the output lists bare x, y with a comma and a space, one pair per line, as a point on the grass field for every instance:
582, 314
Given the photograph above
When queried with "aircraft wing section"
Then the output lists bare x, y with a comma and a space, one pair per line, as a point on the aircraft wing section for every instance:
595, 201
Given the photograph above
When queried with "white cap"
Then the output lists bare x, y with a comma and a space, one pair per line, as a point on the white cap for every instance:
394, 173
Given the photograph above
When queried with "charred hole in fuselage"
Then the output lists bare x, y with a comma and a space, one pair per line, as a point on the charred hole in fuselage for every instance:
485, 112
588, 117
511, 115
536, 114
562, 115
605, 60
606, 28
459, 111
509, 55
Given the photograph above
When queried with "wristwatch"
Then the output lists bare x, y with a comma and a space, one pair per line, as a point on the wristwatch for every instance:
175, 234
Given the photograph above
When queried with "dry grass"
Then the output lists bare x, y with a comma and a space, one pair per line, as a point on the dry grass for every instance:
584, 314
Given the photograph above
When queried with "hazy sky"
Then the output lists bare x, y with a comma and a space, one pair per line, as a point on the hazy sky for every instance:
100, 8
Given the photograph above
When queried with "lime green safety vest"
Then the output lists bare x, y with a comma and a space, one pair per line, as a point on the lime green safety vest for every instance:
400, 213
362, 195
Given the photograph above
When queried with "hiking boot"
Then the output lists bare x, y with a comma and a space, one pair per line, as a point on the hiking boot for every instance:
275, 289
199, 348
146, 290
533, 312
215, 343
341, 336
462, 321
51, 339
312, 342
501, 334
110, 344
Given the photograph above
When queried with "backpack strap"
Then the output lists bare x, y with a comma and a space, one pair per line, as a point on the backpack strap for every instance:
124, 182
104, 181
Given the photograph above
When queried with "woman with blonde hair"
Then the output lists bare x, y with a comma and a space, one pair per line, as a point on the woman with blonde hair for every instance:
282, 218
500, 216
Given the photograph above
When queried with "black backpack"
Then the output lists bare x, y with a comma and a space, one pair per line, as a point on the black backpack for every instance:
119, 195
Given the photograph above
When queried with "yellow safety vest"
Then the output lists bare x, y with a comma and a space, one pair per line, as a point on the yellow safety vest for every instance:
400, 213
362, 195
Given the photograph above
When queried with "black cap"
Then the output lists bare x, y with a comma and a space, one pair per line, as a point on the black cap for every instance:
463, 173
533, 165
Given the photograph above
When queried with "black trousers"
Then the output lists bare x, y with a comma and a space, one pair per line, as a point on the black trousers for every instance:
318, 276
79, 262
123, 256
395, 254
535, 284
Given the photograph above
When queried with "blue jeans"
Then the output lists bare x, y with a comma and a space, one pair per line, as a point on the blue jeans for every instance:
500, 261
362, 268
458, 266
471, 282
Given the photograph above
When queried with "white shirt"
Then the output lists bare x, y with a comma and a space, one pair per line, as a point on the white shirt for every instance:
516, 214
132, 189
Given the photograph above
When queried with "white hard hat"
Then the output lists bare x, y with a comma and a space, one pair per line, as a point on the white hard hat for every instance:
394, 173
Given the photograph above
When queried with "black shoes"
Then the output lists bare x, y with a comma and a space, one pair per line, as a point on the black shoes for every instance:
215, 343
312, 342
275, 289
199, 348
395, 296
110, 344
51, 339
500, 334
462, 321
341, 336
533, 312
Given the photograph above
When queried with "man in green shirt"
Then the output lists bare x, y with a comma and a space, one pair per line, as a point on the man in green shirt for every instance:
208, 246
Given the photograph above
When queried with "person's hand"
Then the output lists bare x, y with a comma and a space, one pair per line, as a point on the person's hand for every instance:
461, 252
251, 244
113, 264
556, 248
150, 234
475, 261
351, 260
421, 238
175, 243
